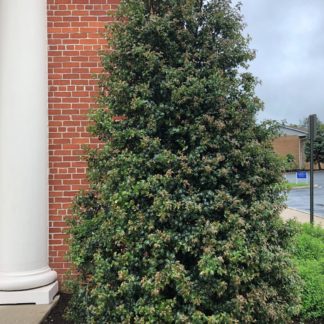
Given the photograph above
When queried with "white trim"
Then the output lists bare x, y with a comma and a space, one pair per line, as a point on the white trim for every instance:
291, 131
39, 296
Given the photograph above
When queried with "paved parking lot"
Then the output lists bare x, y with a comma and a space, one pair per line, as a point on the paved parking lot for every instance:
299, 198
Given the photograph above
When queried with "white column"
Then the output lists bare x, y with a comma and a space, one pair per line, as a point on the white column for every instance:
24, 154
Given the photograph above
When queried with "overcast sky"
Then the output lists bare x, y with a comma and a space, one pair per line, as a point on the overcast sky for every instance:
289, 38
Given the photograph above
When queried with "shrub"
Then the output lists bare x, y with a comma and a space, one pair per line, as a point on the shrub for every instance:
290, 163
181, 222
309, 256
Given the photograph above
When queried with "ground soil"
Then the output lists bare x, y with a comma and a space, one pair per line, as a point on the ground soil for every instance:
56, 315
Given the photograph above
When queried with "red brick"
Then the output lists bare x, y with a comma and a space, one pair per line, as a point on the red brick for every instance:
75, 34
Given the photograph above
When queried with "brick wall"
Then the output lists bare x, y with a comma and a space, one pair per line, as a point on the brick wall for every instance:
284, 145
75, 35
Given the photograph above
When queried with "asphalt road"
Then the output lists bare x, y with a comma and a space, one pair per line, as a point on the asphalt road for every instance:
299, 198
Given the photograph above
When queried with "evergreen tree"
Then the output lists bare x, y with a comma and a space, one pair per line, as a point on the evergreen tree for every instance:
181, 223
318, 146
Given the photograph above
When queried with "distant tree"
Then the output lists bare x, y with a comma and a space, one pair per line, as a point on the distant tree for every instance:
303, 122
290, 163
318, 146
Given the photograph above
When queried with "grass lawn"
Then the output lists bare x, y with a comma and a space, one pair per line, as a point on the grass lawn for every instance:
309, 259
299, 185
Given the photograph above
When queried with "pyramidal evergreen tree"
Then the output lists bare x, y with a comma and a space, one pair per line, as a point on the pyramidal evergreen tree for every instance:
181, 222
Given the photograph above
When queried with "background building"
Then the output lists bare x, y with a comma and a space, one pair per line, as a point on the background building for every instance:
292, 141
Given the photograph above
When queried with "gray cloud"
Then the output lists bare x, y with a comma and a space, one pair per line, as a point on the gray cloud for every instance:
288, 36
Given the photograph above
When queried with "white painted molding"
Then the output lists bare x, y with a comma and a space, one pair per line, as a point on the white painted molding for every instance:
26, 280
39, 296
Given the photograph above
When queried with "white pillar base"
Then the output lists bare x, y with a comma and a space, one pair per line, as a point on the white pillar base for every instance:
39, 296
12, 281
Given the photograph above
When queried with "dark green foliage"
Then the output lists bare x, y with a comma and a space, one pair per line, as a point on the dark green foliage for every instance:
318, 146
290, 163
309, 256
181, 224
